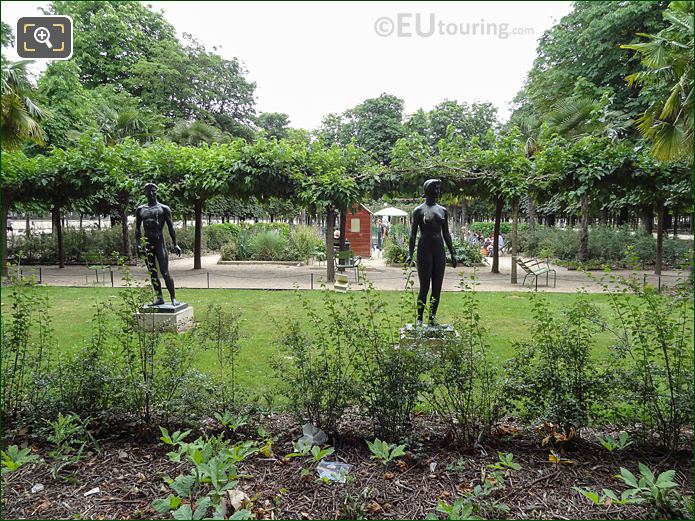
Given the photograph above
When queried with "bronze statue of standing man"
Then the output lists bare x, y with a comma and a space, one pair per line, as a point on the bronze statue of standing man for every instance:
153, 216
432, 221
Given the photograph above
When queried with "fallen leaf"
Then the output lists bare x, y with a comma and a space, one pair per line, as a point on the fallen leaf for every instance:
373, 507
389, 475
237, 498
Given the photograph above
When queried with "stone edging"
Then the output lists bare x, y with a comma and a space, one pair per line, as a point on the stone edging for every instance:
245, 263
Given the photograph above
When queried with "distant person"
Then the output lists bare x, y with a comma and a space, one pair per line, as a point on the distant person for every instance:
379, 233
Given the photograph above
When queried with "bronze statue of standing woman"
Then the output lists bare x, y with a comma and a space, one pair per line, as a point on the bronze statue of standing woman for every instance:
432, 221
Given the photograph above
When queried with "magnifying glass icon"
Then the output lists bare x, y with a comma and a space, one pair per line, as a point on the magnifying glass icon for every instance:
43, 35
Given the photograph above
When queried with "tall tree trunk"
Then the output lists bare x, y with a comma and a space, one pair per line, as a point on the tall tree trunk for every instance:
59, 235
647, 218
330, 268
604, 216
584, 230
515, 242
27, 226
550, 219
660, 214
464, 212
343, 226
125, 239
198, 238
531, 216
495, 238
623, 216
668, 221
80, 225
5, 212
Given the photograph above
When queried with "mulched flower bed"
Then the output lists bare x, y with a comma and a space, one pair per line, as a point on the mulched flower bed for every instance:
129, 472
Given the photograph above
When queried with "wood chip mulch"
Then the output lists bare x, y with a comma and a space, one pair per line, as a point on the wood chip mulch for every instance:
129, 472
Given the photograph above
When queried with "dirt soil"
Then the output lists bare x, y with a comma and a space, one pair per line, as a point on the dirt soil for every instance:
129, 471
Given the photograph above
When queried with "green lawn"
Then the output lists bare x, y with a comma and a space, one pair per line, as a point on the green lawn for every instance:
505, 315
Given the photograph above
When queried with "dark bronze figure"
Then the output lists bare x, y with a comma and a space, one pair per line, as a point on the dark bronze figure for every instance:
432, 220
153, 216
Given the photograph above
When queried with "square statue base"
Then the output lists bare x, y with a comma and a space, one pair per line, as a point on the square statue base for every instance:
427, 335
342, 284
165, 317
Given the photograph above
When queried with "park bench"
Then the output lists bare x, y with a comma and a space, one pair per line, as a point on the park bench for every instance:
537, 268
346, 260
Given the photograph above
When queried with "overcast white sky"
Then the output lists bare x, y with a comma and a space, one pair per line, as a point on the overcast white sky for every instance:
312, 58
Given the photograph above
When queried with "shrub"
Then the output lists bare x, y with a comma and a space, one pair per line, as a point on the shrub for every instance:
315, 369
486, 228
553, 377
269, 246
467, 254
219, 332
230, 251
27, 346
618, 247
304, 242
465, 388
390, 369
395, 250
652, 358
217, 235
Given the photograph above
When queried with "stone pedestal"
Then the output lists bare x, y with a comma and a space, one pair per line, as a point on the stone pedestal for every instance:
427, 335
165, 317
341, 283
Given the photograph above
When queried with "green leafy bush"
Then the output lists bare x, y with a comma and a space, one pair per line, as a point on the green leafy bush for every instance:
659, 491
217, 235
304, 242
618, 247
230, 251
467, 254
486, 228
395, 250
553, 377
652, 356
314, 369
269, 246
465, 388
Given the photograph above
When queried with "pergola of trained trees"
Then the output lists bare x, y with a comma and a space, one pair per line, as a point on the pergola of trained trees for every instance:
95, 129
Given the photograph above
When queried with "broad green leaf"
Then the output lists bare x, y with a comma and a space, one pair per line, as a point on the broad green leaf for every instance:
184, 512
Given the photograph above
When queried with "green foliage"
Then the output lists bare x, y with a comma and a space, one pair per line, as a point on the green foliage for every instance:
611, 444
15, 458
395, 250
486, 228
667, 83
269, 246
220, 332
658, 491
385, 452
315, 371
553, 377
467, 254
230, 251
70, 437
27, 348
304, 242
618, 247
213, 471
506, 461
652, 357
465, 388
